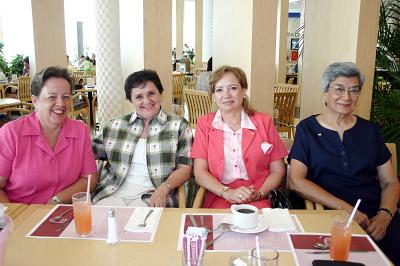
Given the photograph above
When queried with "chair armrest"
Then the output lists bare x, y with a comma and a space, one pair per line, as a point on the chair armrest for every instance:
200, 195
182, 196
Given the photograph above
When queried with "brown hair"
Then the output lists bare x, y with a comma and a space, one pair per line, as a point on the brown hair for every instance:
240, 75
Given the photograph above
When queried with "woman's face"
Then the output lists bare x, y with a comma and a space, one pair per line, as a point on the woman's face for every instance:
147, 100
342, 95
53, 102
229, 93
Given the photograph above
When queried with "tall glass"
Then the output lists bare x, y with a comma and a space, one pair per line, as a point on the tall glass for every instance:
340, 237
82, 213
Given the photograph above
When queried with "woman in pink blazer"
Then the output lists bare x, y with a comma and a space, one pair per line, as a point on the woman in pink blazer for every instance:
238, 155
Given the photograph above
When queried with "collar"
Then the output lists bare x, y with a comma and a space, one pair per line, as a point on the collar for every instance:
161, 117
245, 121
32, 127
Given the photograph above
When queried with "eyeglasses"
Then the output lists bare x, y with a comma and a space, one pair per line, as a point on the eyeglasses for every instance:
339, 90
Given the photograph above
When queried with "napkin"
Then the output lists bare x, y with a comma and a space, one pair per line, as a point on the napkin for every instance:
278, 220
137, 218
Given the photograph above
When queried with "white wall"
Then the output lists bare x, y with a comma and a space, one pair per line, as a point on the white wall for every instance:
232, 34
16, 18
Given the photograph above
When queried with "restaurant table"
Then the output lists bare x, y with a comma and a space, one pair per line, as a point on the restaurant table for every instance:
3, 85
89, 92
9, 102
23, 250
15, 209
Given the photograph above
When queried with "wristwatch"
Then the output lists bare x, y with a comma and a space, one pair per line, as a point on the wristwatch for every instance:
57, 199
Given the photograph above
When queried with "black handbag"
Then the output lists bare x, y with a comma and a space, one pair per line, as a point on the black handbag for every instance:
279, 199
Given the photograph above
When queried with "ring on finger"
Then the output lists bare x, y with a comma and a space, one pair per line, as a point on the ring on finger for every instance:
240, 196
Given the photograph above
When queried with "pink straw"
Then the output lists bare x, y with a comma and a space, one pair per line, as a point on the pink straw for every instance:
88, 188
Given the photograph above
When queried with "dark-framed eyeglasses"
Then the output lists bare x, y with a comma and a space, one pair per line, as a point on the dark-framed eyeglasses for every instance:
339, 90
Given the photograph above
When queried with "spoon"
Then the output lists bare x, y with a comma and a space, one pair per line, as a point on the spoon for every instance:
58, 219
322, 246
145, 219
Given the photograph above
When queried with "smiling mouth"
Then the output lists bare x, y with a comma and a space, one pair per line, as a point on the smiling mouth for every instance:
148, 107
58, 112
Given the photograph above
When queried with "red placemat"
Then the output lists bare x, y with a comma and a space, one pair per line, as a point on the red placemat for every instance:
47, 228
358, 243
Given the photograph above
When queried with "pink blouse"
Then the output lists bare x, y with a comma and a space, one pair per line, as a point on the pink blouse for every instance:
33, 170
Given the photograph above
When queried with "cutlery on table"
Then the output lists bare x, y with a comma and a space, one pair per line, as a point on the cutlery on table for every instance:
327, 251
145, 218
225, 228
193, 220
58, 218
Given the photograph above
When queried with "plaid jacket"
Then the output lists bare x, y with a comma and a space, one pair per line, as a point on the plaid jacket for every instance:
168, 144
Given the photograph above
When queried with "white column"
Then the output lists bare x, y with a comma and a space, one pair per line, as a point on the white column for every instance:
198, 34
109, 85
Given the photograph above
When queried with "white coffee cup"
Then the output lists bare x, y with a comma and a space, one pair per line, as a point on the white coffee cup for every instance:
244, 216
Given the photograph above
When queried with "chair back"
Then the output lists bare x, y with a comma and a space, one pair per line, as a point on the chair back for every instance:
77, 75
24, 89
94, 110
178, 80
80, 108
285, 102
199, 103
282, 87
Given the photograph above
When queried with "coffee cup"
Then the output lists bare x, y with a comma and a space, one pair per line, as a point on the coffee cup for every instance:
244, 216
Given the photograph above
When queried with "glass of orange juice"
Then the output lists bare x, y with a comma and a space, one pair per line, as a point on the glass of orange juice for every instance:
82, 213
340, 237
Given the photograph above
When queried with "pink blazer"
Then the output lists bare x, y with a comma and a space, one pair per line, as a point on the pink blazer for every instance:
208, 145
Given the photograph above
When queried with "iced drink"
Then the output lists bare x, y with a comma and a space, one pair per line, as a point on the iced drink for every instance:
340, 238
82, 213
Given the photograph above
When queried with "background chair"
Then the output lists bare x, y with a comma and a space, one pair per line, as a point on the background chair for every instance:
94, 110
282, 87
310, 205
199, 103
178, 80
285, 102
80, 108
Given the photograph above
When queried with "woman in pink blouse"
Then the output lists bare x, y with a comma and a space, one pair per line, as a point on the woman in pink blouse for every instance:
46, 157
238, 153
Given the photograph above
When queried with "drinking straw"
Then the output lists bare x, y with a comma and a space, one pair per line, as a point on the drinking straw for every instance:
258, 251
88, 188
353, 213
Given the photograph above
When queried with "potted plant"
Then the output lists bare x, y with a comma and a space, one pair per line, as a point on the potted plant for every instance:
385, 106
17, 65
3, 63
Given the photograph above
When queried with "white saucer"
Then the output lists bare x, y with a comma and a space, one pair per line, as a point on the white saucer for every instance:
261, 226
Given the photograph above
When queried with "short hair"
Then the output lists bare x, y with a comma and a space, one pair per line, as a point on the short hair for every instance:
139, 78
344, 69
41, 77
240, 75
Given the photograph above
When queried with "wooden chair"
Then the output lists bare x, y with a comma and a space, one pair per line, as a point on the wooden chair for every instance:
178, 80
285, 102
191, 85
94, 110
24, 89
80, 108
310, 205
199, 103
282, 87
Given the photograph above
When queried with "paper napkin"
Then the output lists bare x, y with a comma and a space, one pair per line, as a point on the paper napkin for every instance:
279, 220
137, 218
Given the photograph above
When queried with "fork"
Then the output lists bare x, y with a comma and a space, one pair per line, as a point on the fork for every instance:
225, 228
56, 219
145, 218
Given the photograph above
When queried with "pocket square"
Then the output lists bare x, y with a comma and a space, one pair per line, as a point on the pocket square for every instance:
266, 147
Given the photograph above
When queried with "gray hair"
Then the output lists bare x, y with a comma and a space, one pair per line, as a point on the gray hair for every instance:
335, 70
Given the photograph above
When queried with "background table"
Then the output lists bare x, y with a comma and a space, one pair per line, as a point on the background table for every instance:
9, 102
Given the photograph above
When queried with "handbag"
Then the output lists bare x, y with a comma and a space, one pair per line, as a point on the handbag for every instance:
279, 199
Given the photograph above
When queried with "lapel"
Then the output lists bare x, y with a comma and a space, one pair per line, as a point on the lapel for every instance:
216, 138
248, 136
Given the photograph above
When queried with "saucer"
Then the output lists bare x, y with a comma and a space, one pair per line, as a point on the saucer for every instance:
261, 226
